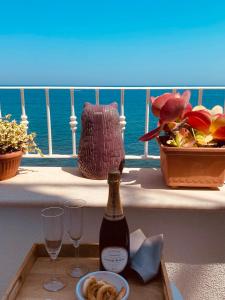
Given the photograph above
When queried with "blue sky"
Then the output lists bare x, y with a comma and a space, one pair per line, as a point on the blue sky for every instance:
112, 42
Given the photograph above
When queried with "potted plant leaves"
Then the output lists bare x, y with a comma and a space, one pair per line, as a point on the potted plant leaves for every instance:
192, 148
14, 142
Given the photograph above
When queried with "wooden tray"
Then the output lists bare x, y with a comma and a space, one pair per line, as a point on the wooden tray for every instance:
37, 267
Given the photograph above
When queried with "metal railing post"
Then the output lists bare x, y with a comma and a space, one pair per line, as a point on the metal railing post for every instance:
97, 96
200, 94
48, 122
24, 120
146, 120
73, 122
122, 115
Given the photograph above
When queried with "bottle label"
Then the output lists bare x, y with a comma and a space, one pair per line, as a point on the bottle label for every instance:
114, 259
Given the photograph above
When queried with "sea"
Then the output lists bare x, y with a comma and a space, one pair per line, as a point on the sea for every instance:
60, 118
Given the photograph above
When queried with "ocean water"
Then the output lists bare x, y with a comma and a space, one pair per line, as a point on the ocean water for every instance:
60, 117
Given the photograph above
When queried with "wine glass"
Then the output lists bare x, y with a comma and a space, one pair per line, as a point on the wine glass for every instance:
53, 229
74, 211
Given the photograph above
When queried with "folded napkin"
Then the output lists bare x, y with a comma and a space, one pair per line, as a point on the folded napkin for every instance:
145, 254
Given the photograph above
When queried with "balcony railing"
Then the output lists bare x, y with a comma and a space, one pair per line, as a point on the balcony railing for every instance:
73, 118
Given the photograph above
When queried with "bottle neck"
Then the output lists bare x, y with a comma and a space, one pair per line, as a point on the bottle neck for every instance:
114, 210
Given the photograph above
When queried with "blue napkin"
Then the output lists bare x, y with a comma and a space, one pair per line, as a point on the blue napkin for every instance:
145, 254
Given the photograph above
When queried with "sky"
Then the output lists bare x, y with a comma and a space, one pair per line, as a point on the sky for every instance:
115, 42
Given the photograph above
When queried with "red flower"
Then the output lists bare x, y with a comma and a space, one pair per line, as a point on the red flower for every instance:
168, 107
200, 120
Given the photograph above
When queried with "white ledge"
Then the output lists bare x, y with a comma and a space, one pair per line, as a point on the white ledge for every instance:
143, 188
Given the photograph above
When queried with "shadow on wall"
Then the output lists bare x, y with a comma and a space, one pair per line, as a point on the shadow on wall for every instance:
190, 236
194, 237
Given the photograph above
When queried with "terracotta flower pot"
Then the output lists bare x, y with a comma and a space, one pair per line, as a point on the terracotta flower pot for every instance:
9, 164
192, 167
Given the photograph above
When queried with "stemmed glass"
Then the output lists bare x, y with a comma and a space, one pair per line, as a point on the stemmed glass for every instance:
74, 211
53, 230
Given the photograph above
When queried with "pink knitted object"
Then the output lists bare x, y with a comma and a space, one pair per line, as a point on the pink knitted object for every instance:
101, 145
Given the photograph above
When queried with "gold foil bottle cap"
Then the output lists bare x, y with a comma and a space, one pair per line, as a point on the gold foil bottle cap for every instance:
114, 176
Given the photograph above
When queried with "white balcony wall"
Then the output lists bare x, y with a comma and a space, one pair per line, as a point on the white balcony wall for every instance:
192, 222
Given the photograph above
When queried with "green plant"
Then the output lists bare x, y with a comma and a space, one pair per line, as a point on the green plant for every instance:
13, 137
185, 126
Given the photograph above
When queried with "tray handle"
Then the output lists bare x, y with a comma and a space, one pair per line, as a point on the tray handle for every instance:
17, 282
14, 289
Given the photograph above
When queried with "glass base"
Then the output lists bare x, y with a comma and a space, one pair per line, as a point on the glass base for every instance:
54, 285
77, 272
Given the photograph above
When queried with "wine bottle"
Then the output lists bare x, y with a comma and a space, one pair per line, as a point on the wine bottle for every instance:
114, 240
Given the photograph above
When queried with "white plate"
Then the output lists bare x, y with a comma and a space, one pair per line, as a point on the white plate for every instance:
113, 278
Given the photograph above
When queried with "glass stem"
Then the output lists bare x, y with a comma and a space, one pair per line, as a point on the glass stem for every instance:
54, 269
76, 246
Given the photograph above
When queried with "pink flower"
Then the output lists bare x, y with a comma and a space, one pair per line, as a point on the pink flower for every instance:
168, 107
